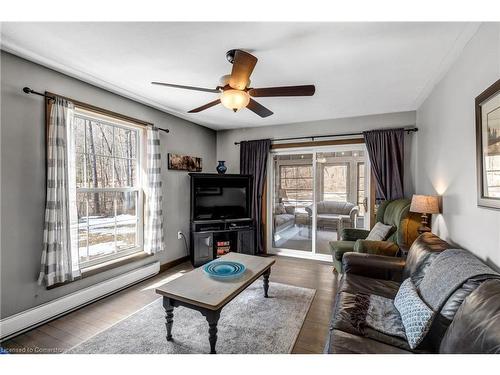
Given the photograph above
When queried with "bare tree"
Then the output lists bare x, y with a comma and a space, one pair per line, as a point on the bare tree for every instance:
94, 166
117, 174
128, 154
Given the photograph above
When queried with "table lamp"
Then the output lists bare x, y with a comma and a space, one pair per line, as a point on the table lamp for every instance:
424, 204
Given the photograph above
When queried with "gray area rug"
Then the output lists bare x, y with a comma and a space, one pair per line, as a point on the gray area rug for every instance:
248, 324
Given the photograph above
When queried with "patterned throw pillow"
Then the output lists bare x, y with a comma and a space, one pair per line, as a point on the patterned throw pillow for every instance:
280, 209
415, 314
380, 232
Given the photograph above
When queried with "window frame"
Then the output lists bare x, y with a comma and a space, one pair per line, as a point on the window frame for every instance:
90, 115
360, 165
297, 165
490, 169
348, 178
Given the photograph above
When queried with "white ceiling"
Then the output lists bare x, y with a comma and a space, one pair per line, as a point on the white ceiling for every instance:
358, 68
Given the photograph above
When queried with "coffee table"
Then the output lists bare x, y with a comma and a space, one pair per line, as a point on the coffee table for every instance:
196, 290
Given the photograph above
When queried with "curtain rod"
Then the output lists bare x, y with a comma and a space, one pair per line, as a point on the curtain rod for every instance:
407, 130
51, 96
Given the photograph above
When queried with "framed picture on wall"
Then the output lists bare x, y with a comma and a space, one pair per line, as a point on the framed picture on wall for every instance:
488, 147
178, 162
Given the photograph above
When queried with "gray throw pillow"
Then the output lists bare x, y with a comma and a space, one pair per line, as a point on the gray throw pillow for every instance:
415, 314
380, 232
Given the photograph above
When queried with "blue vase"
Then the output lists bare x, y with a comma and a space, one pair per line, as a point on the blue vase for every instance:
221, 168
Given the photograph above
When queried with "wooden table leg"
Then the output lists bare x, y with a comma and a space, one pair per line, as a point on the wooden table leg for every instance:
266, 281
169, 316
212, 319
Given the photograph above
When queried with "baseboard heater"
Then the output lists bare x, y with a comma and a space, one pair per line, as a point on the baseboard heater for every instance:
29, 319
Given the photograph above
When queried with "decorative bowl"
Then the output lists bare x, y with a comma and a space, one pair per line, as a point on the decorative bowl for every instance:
224, 269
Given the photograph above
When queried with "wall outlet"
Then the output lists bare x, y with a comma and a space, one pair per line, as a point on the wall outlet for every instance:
179, 235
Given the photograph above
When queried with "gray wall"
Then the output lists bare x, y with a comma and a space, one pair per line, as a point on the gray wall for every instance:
23, 176
446, 151
227, 150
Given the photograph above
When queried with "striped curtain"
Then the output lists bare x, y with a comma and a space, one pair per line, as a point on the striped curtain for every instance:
153, 231
60, 235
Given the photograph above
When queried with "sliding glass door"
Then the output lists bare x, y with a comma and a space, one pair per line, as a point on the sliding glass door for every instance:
315, 192
339, 175
292, 201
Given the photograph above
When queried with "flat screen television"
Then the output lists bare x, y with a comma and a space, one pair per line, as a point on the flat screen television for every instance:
221, 198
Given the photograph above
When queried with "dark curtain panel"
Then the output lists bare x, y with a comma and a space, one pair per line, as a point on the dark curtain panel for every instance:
386, 152
253, 161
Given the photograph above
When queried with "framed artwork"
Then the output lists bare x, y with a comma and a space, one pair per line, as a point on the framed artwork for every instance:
488, 147
184, 163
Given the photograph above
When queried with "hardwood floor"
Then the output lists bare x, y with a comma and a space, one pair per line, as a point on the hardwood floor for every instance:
78, 326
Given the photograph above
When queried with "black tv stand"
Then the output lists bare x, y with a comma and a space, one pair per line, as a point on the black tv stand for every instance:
211, 238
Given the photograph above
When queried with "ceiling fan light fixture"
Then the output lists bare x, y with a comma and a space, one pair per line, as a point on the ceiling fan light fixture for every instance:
234, 99
234, 89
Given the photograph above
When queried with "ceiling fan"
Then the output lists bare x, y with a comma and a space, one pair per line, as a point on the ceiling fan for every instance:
234, 91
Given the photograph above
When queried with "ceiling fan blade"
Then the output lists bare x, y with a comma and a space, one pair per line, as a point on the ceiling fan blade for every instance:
243, 65
258, 109
186, 87
206, 106
305, 90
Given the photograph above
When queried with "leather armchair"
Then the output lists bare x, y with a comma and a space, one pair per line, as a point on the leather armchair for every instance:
396, 213
386, 248
351, 234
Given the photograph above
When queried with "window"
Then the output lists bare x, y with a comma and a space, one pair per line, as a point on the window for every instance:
492, 166
108, 191
335, 182
296, 184
361, 189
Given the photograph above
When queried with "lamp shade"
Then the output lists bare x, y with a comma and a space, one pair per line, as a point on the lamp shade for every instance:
234, 99
425, 204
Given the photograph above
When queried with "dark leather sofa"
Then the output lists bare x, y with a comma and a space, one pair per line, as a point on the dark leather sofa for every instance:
469, 321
